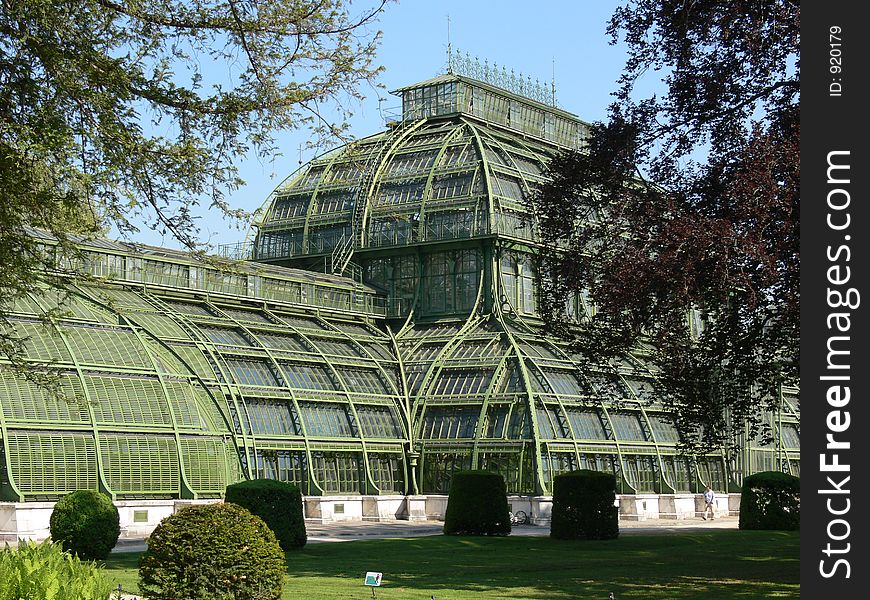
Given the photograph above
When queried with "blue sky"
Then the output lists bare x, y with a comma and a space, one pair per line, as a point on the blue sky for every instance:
521, 35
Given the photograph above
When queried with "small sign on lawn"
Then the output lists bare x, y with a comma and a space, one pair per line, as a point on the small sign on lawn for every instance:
373, 579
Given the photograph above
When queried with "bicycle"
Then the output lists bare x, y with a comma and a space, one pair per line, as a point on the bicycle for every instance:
519, 518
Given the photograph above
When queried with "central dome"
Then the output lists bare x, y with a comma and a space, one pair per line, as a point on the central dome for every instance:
460, 164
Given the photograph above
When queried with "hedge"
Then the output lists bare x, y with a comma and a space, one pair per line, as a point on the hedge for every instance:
477, 505
770, 500
584, 506
278, 503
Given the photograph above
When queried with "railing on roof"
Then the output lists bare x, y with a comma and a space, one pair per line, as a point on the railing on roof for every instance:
119, 268
516, 83
238, 251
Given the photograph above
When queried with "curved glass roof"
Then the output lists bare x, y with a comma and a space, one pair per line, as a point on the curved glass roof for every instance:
449, 170
496, 387
175, 392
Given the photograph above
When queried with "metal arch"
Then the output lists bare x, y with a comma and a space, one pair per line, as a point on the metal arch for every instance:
484, 168
312, 202
530, 399
230, 391
101, 470
255, 442
366, 195
419, 401
427, 188
187, 490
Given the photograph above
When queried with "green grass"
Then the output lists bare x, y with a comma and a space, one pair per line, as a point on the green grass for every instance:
721, 564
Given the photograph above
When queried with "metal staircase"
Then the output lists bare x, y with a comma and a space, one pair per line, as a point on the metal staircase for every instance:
340, 259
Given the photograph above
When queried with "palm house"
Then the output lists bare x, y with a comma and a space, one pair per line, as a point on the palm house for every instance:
380, 333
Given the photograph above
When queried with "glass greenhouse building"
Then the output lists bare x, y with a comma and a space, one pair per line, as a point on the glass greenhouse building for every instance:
379, 334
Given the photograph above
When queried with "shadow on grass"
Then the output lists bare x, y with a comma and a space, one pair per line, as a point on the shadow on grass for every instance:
721, 564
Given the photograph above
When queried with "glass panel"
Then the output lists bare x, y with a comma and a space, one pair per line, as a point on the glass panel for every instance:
627, 427
309, 180
336, 347
164, 273
410, 164
307, 376
283, 465
790, 436
335, 202
509, 187
678, 473
712, 472
586, 424
225, 336
640, 472
366, 381
251, 372
379, 422
515, 467
391, 194
519, 424
326, 420
564, 383
556, 463
663, 430
598, 462
283, 342
496, 420
289, 207
387, 472
272, 417
449, 422
337, 472
462, 382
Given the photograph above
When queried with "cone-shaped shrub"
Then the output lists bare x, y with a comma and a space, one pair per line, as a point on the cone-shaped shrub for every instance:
477, 504
212, 552
583, 506
770, 500
278, 503
85, 523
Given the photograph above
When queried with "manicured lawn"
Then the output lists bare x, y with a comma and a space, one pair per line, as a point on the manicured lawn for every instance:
720, 564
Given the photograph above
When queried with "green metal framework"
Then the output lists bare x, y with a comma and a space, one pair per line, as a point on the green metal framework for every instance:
388, 319
433, 214
180, 379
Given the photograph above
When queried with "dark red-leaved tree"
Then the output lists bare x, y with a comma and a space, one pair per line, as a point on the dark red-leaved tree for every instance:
689, 200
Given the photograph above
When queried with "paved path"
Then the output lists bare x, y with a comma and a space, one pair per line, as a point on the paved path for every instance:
364, 530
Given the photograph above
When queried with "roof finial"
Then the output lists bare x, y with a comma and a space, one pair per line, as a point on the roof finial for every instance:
449, 48
553, 84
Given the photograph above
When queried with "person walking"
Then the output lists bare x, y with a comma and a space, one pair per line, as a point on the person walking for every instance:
709, 498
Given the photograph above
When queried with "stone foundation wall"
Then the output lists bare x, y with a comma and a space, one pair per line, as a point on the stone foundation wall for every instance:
29, 520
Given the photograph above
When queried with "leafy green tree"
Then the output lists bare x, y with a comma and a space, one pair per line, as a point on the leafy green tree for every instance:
117, 112
689, 200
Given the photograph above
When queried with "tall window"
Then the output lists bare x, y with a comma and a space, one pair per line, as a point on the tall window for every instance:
518, 283
337, 472
451, 280
438, 469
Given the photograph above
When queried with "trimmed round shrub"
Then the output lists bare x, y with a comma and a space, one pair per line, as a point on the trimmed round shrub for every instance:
477, 504
45, 571
85, 523
770, 500
583, 506
278, 503
212, 551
